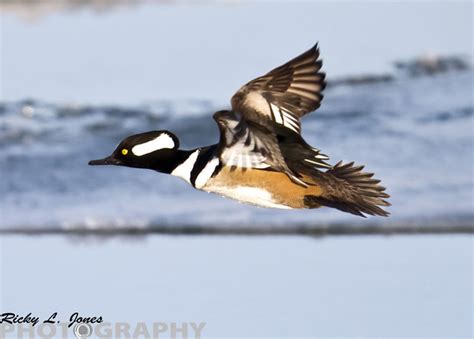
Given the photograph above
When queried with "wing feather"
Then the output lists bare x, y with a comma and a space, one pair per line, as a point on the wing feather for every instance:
264, 109
285, 94
245, 145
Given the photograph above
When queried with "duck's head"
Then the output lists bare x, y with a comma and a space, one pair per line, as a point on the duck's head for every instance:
155, 150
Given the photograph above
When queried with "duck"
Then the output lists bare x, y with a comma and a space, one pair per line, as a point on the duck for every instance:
261, 157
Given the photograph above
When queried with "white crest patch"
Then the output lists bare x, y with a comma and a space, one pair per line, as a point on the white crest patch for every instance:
183, 171
161, 142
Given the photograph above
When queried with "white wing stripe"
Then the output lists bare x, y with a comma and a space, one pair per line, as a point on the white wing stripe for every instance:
317, 163
291, 125
285, 117
277, 114
291, 117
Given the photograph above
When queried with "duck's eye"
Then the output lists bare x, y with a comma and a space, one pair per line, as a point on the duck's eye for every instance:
125, 151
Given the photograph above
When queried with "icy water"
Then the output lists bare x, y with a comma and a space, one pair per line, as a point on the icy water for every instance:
415, 134
250, 287
172, 66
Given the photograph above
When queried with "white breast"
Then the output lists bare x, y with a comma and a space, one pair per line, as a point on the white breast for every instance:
250, 195
184, 170
206, 173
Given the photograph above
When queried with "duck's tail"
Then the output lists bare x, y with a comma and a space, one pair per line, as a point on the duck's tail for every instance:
348, 189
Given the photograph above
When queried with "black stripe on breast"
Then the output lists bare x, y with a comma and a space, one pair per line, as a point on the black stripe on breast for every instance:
205, 155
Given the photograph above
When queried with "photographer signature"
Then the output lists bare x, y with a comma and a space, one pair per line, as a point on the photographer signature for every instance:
74, 319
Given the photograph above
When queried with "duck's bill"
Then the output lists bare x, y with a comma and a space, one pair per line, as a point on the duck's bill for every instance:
110, 160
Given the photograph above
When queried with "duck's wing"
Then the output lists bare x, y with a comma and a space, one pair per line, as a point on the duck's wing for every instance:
285, 94
246, 145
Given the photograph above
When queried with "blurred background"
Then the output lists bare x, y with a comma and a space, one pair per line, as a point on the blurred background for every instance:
79, 76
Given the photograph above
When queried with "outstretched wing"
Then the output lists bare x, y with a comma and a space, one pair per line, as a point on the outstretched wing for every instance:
246, 145
285, 94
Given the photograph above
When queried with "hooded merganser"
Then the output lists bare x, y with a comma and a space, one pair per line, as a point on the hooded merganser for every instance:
261, 157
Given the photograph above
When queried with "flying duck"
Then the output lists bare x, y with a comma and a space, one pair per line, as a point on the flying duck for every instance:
261, 157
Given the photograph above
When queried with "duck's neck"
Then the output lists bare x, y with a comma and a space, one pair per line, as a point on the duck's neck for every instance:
186, 165
167, 161
180, 163
193, 162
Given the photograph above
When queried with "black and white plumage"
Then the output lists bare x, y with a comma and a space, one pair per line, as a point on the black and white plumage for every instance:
261, 157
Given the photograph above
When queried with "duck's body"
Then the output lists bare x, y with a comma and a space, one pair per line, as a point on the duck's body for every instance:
261, 157
261, 187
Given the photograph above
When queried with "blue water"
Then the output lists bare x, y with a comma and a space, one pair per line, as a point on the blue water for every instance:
415, 134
